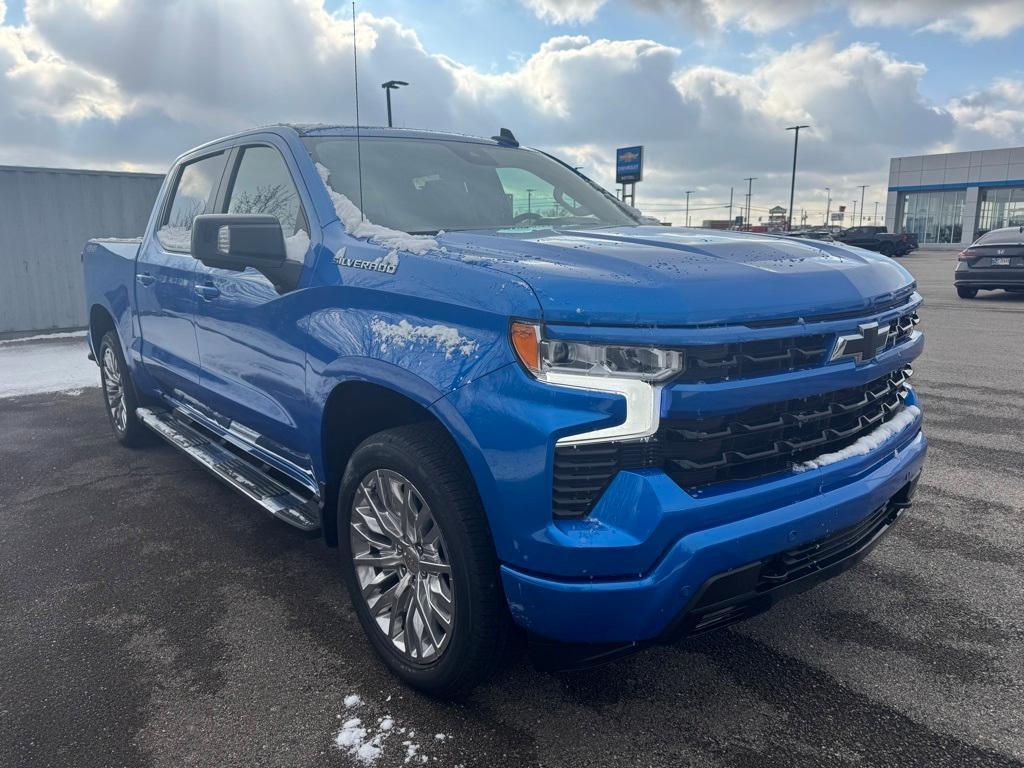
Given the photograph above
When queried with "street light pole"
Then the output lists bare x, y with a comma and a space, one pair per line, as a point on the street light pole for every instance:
529, 200
828, 204
688, 193
750, 193
862, 188
389, 86
874, 219
792, 182
853, 219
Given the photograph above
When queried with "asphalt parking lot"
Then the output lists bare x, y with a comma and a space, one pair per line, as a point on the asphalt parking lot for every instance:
150, 617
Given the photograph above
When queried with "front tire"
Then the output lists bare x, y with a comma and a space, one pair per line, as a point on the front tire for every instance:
417, 557
966, 293
119, 394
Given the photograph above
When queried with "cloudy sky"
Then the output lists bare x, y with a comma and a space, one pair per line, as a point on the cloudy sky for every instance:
708, 86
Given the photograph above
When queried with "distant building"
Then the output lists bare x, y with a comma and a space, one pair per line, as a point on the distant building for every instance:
777, 217
717, 223
953, 198
46, 215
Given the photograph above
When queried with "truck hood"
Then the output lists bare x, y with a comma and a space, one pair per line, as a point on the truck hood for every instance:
661, 276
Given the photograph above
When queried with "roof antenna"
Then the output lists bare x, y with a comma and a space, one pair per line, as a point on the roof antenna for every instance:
355, 77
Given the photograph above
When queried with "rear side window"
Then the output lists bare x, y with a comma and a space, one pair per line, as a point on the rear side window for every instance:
196, 184
263, 185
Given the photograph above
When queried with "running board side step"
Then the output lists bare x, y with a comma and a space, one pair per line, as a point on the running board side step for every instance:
275, 497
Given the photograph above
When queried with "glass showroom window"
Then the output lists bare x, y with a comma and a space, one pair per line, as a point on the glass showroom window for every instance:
935, 217
1000, 207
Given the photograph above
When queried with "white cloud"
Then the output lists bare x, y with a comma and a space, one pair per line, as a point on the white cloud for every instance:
991, 117
565, 11
974, 19
132, 85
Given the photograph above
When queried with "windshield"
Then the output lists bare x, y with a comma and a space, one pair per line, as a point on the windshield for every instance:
423, 186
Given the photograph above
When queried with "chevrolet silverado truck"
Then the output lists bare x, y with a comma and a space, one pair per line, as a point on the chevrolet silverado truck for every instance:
878, 239
514, 409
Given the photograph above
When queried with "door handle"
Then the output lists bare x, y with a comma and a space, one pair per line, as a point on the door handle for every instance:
208, 291
144, 278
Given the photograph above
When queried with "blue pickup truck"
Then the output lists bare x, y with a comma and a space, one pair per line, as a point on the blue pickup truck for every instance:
514, 407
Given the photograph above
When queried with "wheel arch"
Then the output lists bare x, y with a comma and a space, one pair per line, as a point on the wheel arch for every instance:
101, 321
360, 406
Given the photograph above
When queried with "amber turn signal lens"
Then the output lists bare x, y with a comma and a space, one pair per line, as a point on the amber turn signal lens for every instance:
526, 342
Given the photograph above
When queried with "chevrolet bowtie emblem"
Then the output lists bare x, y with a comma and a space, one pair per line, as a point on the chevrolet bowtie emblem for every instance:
869, 340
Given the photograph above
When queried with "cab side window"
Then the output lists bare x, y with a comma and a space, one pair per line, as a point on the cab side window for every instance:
196, 184
263, 185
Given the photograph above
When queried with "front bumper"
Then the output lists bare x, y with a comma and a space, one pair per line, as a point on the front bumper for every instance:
709, 577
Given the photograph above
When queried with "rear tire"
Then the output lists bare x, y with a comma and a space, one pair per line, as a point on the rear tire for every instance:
886, 250
426, 589
966, 293
119, 397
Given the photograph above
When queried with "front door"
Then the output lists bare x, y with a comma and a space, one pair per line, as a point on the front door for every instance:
165, 279
252, 362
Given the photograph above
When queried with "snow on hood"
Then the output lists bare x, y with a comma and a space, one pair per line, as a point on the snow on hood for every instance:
358, 226
661, 276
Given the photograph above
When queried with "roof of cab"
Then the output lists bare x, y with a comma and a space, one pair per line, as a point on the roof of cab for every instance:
325, 129
374, 131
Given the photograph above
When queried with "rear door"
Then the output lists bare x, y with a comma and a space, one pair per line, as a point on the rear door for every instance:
165, 277
859, 237
251, 358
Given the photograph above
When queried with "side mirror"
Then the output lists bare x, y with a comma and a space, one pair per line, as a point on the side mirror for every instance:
236, 241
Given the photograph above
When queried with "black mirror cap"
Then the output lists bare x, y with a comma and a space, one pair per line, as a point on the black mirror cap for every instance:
238, 240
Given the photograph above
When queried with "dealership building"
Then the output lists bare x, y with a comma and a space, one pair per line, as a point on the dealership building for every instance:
949, 200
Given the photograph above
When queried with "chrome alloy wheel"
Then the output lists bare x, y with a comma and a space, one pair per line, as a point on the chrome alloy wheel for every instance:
402, 565
113, 390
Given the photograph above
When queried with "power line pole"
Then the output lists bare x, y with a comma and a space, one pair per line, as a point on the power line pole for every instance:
730, 207
862, 188
688, 193
828, 204
792, 181
874, 218
853, 219
529, 200
750, 194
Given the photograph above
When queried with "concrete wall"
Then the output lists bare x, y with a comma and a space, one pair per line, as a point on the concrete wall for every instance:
965, 170
46, 215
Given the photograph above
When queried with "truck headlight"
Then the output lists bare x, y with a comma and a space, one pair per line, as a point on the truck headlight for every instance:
635, 373
550, 356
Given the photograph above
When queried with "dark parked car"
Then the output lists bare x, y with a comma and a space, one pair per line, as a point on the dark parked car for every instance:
994, 260
877, 239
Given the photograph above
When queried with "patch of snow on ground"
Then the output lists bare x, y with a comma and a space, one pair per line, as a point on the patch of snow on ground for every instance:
358, 226
471, 258
366, 744
353, 739
33, 368
868, 443
45, 337
404, 333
